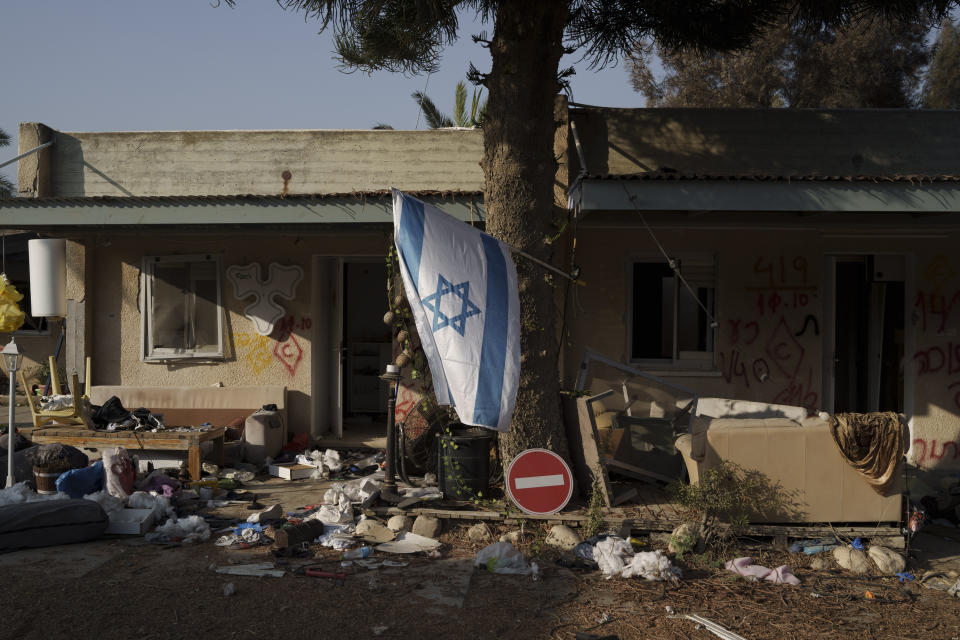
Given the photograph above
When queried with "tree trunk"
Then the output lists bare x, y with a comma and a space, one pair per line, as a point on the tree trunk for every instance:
519, 167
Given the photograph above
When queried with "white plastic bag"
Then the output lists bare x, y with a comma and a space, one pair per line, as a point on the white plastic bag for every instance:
502, 557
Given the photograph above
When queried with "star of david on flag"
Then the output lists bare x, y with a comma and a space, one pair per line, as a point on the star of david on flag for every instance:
462, 287
462, 293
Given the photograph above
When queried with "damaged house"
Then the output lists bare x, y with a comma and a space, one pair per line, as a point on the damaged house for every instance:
816, 245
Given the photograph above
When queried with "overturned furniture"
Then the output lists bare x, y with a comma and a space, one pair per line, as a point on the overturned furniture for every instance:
627, 426
67, 415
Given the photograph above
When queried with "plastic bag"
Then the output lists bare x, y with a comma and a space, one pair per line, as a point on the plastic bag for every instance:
119, 472
502, 557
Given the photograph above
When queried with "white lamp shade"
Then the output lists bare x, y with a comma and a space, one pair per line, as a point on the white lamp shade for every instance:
48, 278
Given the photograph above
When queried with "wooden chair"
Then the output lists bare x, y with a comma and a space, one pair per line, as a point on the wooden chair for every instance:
69, 416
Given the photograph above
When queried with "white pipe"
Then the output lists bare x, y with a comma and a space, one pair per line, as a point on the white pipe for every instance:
26, 153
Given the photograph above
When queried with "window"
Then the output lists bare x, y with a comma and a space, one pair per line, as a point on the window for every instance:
668, 327
181, 310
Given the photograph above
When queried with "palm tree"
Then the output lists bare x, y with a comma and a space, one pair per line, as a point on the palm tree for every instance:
6, 187
437, 120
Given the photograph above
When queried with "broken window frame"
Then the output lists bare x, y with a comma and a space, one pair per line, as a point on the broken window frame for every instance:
702, 273
151, 353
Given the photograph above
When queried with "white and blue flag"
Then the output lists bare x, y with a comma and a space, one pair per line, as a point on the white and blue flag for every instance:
462, 287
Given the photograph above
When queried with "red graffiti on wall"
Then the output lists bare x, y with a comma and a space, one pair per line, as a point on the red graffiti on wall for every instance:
751, 329
938, 359
407, 399
936, 306
928, 452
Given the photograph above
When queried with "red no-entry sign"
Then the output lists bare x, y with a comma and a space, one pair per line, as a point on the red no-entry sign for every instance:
539, 482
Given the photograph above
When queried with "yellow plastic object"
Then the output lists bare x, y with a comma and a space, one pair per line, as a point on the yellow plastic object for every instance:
11, 317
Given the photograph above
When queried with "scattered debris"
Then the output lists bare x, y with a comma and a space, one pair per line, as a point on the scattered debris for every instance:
259, 569
229, 589
502, 557
714, 628
408, 542
616, 557
745, 567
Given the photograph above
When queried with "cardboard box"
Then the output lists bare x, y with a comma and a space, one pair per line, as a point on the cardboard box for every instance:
134, 522
292, 471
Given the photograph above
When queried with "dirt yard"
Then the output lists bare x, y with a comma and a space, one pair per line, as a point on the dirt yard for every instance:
126, 588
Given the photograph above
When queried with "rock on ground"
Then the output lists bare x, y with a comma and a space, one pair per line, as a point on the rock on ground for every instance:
820, 562
427, 526
888, 561
400, 523
513, 537
684, 539
479, 533
852, 559
563, 537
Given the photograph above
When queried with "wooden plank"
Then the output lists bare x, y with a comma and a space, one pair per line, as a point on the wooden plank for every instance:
632, 471
622, 496
615, 522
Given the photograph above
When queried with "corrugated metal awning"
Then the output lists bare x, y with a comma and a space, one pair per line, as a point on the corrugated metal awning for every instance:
239, 210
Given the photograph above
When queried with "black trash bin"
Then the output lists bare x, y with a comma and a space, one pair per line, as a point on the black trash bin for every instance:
463, 461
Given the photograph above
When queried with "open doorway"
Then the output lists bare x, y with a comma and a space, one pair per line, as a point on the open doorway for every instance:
367, 341
868, 333
351, 347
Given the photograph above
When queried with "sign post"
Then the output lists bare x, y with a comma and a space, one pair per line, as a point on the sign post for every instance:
539, 482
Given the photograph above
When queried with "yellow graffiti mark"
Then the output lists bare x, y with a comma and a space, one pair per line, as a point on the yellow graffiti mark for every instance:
257, 347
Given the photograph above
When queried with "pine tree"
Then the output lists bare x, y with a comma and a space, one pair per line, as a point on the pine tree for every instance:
865, 64
941, 90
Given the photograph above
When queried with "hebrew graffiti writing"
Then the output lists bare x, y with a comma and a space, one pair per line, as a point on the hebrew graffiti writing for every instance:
929, 451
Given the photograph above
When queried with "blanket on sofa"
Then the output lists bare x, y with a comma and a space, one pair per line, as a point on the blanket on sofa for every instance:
873, 443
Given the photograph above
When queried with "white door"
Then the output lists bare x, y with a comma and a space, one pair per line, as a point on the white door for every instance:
328, 348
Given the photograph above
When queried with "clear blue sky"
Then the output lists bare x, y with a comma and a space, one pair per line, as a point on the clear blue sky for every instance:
117, 65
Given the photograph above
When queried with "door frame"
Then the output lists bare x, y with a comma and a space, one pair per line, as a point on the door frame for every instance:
829, 328
327, 337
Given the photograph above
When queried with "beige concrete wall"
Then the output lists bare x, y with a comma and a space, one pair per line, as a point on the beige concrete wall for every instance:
251, 359
166, 163
770, 141
762, 309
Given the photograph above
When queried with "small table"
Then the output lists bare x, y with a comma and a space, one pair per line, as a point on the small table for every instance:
167, 440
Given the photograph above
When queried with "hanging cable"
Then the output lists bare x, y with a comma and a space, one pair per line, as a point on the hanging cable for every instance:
670, 261
420, 102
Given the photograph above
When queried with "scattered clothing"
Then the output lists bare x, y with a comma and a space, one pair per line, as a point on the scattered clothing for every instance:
745, 567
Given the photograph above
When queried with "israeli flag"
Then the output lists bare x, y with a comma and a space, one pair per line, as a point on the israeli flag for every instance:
462, 287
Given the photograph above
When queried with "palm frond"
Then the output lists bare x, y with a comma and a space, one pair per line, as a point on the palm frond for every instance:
460, 105
435, 119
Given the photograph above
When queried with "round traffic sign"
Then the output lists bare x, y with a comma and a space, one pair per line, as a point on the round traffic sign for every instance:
539, 482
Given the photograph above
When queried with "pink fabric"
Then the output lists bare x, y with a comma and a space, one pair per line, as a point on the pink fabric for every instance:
746, 568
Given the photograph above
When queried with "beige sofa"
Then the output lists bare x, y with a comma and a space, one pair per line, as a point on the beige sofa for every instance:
184, 406
801, 456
